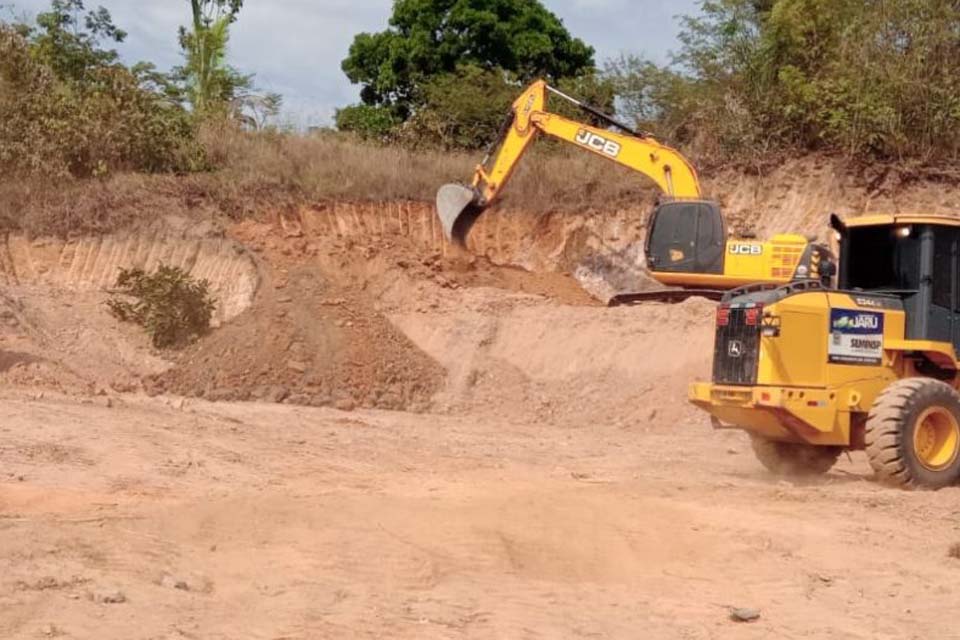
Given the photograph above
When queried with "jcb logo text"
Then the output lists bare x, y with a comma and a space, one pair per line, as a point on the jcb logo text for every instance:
743, 249
598, 143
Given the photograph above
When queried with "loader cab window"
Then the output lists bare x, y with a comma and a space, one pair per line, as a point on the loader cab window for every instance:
917, 263
879, 259
686, 237
943, 324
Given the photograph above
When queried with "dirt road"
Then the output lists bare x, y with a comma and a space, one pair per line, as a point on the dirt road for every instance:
268, 521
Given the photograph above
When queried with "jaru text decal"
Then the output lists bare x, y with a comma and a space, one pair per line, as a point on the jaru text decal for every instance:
856, 337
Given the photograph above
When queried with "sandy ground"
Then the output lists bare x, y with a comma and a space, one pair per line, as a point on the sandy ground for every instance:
519, 462
234, 520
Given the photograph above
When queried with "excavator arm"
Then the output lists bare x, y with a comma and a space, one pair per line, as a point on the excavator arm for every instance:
459, 206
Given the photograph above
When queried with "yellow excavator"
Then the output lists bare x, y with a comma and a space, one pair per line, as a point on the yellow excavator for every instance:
687, 246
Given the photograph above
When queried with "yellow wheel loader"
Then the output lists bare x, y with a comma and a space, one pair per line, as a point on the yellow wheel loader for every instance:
811, 371
687, 244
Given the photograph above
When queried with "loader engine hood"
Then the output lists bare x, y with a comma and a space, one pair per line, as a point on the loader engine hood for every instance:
787, 336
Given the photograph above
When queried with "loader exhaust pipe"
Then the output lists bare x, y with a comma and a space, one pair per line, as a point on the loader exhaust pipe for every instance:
458, 208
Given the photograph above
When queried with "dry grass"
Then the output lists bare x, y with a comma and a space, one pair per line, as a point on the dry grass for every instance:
330, 166
267, 171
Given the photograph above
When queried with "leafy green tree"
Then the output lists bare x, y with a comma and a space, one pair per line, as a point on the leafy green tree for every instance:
211, 83
71, 47
466, 109
67, 105
368, 121
461, 110
429, 38
212, 87
866, 77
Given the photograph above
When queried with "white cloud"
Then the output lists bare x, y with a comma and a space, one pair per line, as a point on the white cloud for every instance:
295, 46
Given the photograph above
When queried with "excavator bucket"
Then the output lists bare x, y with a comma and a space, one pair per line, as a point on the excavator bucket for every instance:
458, 209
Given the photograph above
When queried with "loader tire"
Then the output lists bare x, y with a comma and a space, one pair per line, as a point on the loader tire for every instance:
792, 458
913, 434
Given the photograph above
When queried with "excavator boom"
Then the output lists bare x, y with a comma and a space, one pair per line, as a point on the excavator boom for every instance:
459, 206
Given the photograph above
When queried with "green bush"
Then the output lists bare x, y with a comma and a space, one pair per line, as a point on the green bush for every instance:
462, 110
369, 122
173, 307
75, 111
868, 78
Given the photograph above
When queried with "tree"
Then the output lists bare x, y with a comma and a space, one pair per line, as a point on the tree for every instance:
211, 83
256, 109
429, 38
71, 47
462, 110
212, 86
69, 107
369, 122
866, 77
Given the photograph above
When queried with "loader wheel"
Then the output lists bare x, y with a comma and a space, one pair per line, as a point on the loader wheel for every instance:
913, 434
794, 459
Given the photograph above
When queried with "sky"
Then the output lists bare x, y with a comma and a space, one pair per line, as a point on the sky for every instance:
295, 46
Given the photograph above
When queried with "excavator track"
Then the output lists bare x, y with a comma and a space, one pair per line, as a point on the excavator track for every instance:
666, 295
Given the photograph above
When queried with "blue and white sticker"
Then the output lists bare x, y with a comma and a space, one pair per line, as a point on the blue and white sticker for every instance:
856, 337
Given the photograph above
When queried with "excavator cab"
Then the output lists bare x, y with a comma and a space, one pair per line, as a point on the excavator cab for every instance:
686, 236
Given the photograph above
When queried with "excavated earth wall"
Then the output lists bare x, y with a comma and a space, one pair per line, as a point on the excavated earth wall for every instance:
603, 249
92, 264
364, 304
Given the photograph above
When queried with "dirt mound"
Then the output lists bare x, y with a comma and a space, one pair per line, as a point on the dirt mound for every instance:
531, 345
327, 327
306, 342
459, 269
311, 338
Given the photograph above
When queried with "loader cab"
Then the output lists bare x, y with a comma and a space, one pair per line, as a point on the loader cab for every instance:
914, 258
686, 236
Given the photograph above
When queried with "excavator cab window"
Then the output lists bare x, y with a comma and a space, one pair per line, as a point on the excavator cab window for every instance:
686, 237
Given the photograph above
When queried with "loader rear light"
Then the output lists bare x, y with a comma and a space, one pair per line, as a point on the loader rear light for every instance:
723, 315
752, 316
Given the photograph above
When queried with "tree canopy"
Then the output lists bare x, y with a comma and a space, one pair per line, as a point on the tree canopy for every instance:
210, 82
866, 77
428, 38
68, 106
